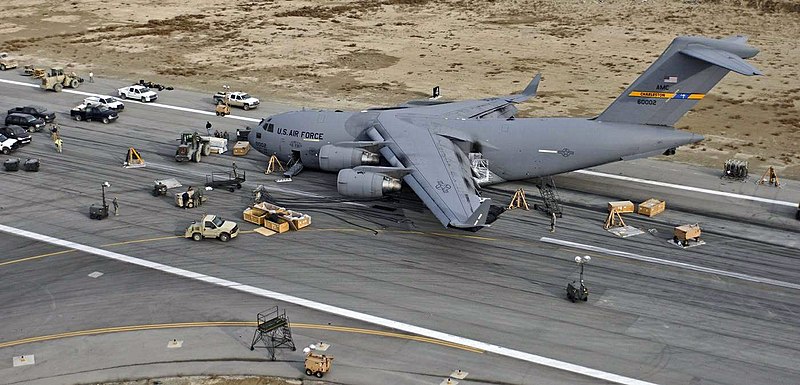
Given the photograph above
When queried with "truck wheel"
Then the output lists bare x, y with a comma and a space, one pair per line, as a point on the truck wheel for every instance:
206, 150
144, 99
57, 87
124, 95
2, 67
74, 83
224, 237
106, 121
318, 374
78, 118
189, 204
197, 156
6, 150
246, 107
309, 372
217, 113
197, 236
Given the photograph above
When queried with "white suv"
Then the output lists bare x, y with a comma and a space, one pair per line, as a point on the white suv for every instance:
7, 144
138, 92
108, 101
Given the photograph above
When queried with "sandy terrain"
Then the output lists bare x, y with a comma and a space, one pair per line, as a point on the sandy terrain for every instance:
366, 53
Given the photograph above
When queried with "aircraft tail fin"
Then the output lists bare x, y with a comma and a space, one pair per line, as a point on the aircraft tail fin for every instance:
680, 78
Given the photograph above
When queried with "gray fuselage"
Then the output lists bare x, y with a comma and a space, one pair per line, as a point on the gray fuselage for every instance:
520, 148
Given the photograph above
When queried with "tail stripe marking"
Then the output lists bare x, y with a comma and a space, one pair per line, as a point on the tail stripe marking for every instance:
666, 95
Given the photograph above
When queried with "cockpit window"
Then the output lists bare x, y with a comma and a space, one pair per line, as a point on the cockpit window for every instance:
270, 127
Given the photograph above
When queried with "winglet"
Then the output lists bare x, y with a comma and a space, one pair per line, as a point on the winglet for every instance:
478, 218
529, 91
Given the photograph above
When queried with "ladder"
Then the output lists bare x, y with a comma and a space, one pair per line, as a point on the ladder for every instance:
550, 199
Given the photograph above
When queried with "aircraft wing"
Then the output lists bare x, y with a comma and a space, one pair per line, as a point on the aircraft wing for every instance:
440, 172
495, 107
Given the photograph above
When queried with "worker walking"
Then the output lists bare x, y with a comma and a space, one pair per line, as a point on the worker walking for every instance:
58, 143
208, 128
54, 132
552, 222
116, 206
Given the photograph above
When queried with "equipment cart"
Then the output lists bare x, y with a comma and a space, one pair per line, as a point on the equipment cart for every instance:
317, 364
230, 180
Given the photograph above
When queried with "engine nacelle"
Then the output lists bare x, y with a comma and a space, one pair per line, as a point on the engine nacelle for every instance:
362, 184
334, 158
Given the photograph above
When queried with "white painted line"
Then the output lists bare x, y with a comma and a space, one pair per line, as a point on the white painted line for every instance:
549, 151
681, 265
687, 188
533, 358
160, 105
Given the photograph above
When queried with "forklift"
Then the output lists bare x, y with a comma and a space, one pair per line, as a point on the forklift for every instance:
100, 212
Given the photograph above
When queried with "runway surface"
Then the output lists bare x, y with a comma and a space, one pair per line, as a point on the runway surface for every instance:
660, 323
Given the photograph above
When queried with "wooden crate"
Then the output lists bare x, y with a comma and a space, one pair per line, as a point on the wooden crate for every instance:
254, 215
687, 232
300, 222
241, 148
621, 206
652, 207
281, 227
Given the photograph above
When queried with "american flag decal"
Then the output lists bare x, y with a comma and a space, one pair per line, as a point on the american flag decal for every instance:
670, 79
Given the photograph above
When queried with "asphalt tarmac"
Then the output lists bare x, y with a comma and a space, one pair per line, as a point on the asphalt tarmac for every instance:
719, 313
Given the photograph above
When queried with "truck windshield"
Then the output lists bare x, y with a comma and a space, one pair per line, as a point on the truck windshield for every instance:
217, 221
245, 96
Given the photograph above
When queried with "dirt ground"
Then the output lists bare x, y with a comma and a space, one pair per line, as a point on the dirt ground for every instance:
362, 53
217, 380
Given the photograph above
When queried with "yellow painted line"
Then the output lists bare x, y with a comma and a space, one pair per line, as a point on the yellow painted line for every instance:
411, 232
141, 240
343, 329
666, 95
36, 257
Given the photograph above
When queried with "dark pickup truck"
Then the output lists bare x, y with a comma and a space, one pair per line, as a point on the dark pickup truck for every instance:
98, 113
37, 111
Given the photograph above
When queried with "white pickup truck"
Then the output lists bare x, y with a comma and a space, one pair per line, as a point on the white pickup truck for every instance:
138, 92
237, 99
108, 101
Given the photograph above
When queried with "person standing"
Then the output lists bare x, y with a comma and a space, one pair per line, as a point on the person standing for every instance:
91, 77
208, 128
552, 222
58, 143
116, 206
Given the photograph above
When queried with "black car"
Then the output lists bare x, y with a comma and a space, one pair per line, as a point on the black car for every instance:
29, 122
37, 111
16, 132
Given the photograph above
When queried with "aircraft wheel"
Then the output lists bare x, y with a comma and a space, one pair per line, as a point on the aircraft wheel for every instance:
224, 237
197, 236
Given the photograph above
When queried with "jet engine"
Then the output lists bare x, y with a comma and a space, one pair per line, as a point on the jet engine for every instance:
364, 184
334, 158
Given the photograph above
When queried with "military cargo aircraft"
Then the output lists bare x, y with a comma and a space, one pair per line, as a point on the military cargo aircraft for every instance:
445, 150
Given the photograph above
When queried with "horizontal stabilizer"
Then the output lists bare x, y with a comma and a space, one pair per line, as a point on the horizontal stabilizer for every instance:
528, 92
721, 58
